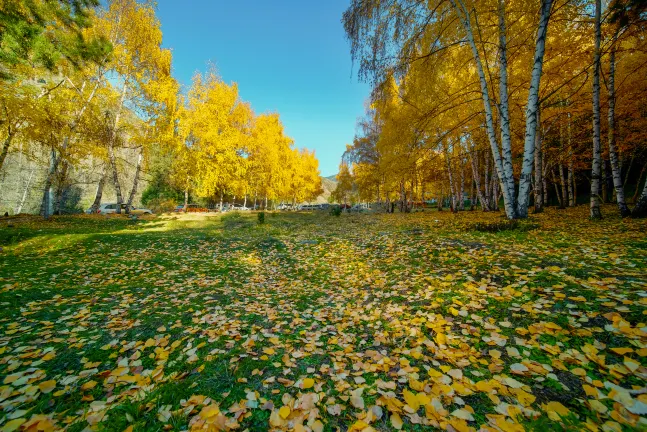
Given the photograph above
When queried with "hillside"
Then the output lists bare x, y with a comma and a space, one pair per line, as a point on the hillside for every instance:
328, 184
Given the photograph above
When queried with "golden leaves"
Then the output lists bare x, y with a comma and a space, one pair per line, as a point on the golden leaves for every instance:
47, 386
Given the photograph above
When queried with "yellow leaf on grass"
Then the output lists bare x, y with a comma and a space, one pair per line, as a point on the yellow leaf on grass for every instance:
47, 386
308, 382
396, 421
556, 410
411, 400
89, 385
317, 426
12, 425
284, 412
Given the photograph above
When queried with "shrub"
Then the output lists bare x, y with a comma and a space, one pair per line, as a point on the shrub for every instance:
335, 211
162, 205
261, 218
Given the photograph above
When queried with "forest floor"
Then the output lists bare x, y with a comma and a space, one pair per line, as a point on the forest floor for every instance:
315, 322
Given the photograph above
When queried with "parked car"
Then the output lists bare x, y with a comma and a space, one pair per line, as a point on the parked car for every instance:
238, 207
234, 207
191, 208
110, 208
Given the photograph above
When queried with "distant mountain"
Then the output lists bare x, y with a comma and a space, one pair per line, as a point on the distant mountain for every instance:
328, 184
332, 177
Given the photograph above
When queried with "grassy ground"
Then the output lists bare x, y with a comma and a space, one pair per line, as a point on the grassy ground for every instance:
311, 322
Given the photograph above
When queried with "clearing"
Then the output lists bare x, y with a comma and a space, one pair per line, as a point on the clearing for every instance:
312, 322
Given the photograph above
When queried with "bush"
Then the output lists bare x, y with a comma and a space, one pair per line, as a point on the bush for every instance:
159, 191
161, 205
261, 218
335, 211
70, 200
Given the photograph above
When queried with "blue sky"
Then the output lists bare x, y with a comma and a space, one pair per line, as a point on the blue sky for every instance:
288, 56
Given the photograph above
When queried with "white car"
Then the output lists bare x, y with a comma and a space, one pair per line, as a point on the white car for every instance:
111, 208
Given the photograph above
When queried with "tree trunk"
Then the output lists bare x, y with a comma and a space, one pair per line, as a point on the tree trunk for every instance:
640, 210
502, 161
595, 165
640, 176
559, 196
245, 201
571, 176
221, 201
461, 192
477, 181
45, 207
613, 155
186, 200
97, 197
495, 194
538, 186
533, 123
265, 207
60, 188
544, 180
25, 192
133, 191
562, 182
631, 162
115, 178
5, 148
451, 180
111, 149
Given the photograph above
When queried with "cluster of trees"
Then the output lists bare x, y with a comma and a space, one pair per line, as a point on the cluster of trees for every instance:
502, 102
87, 100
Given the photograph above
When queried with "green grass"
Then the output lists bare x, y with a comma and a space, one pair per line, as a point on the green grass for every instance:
230, 306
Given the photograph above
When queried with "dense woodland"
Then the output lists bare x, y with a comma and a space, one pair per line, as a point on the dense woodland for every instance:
90, 111
518, 104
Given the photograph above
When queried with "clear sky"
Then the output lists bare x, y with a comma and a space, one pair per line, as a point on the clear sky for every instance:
287, 56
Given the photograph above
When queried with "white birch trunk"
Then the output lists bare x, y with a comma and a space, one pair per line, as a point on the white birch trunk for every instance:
595, 164
532, 108
25, 192
505, 177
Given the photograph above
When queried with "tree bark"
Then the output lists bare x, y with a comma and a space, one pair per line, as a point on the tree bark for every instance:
477, 181
115, 178
97, 197
640, 176
133, 191
45, 210
502, 160
613, 155
5, 148
111, 148
640, 210
451, 179
533, 123
461, 191
571, 174
25, 192
60, 188
595, 164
